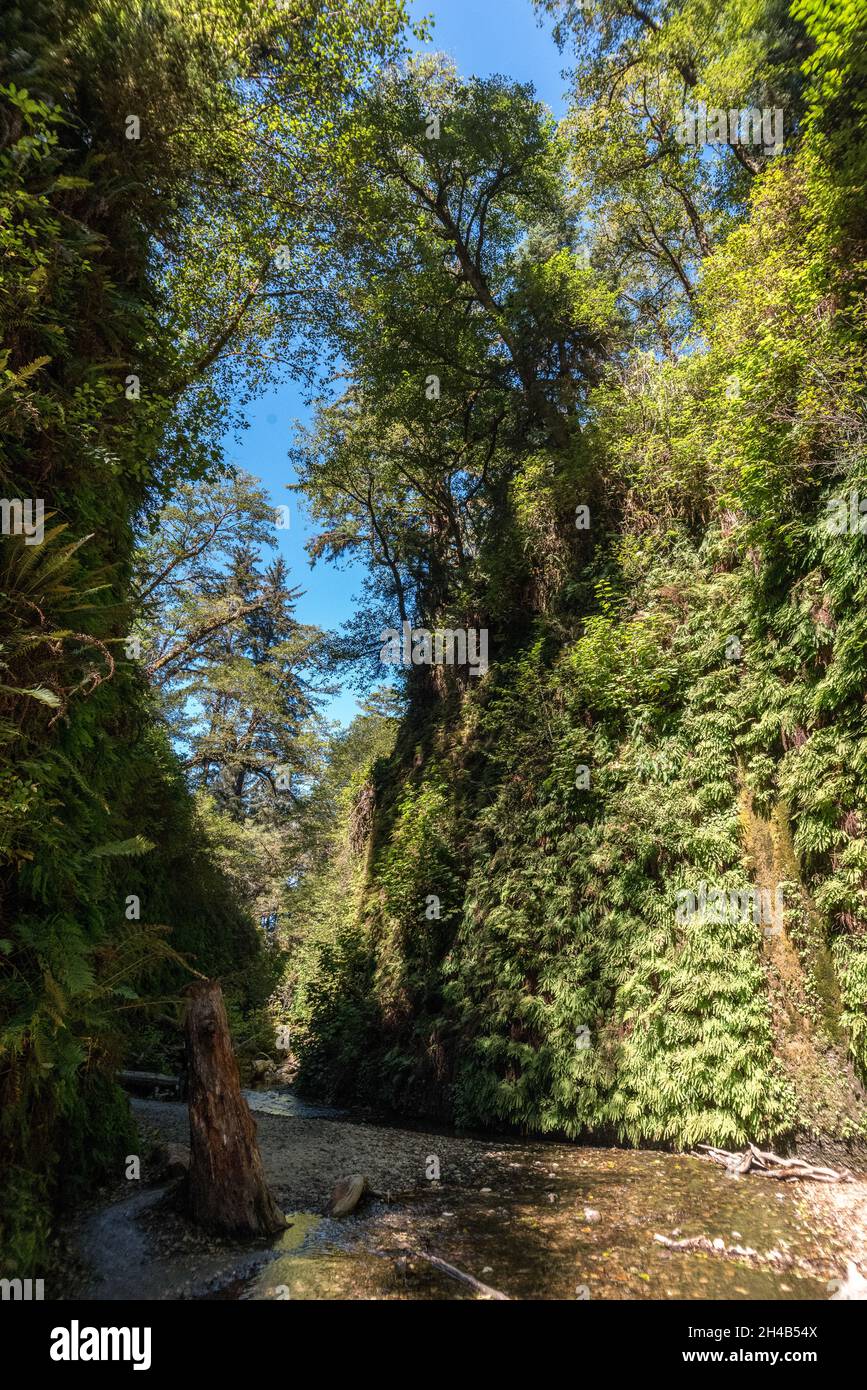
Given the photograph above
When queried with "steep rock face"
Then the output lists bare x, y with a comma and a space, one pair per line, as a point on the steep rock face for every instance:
570, 915
619, 887
810, 1039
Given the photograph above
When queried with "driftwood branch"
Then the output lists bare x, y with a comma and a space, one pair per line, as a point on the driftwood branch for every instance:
853, 1287
768, 1165
451, 1270
719, 1247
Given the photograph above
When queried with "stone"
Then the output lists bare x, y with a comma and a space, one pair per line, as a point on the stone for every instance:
173, 1161
347, 1193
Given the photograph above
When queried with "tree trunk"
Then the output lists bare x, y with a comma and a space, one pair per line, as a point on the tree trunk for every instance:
226, 1186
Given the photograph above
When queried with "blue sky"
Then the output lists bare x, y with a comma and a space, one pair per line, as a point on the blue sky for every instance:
484, 37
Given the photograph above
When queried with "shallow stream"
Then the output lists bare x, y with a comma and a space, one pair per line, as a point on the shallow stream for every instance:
532, 1219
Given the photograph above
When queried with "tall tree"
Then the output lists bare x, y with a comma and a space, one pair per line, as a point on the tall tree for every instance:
655, 199
162, 173
461, 307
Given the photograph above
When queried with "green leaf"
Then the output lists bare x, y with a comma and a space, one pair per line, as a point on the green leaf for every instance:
137, 845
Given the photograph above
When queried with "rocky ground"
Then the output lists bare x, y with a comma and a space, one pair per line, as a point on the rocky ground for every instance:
531, 1219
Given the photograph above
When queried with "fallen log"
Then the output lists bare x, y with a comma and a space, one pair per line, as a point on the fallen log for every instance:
151, 1081
776, 1259
226, 1188
769, 1165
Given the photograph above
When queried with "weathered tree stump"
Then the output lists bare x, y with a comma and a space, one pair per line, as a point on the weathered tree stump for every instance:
227, 1192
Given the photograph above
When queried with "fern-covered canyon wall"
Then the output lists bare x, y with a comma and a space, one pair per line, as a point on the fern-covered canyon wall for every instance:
542, 931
